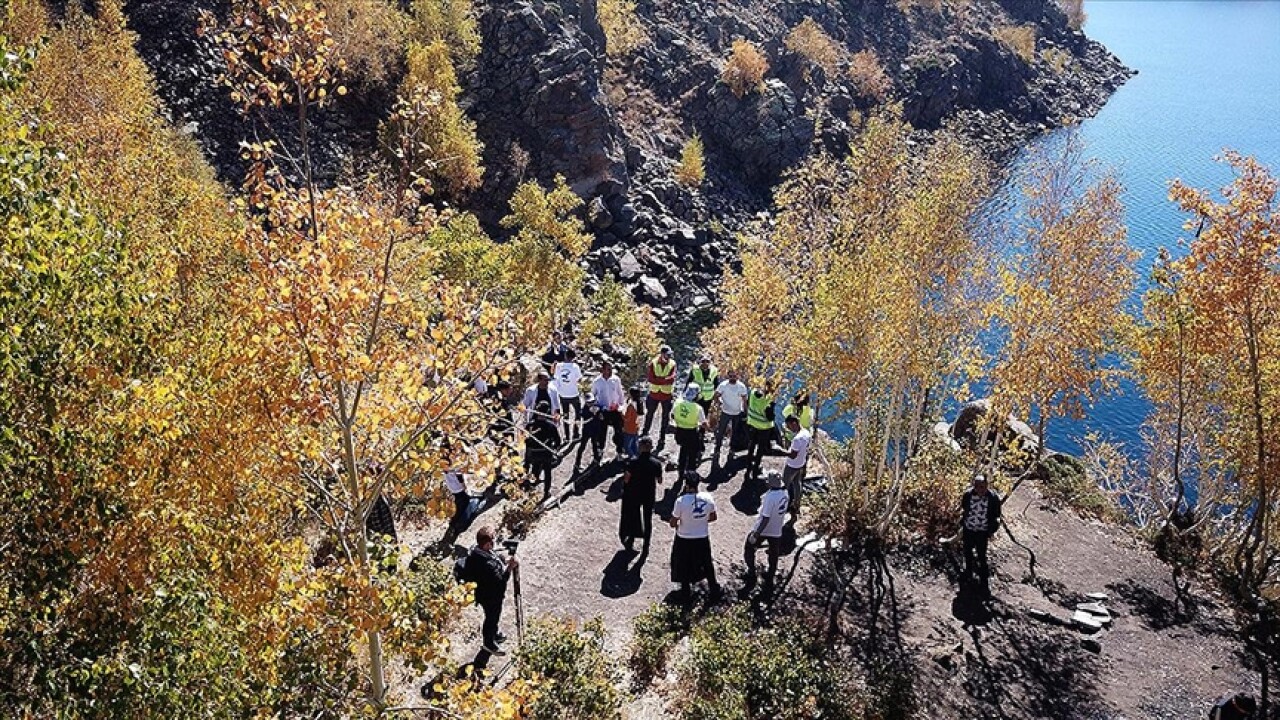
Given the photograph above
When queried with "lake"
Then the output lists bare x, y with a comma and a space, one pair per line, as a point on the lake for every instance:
1208, 79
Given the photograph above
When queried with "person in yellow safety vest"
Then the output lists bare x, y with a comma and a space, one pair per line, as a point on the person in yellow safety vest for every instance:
760, 424
802, 409
662, 385
690, 420
706, 377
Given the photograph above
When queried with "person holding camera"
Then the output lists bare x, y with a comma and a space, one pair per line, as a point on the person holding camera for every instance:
490, 573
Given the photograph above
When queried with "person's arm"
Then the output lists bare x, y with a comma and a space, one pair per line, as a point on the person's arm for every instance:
626, 477
675, 519
712, 517
964, 509
996, 507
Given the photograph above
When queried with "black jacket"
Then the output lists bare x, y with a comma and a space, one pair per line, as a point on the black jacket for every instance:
490, 573
993, 511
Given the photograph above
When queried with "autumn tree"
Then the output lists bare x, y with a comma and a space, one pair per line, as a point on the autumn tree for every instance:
691, 171
865, 284
745, 69
1063, 288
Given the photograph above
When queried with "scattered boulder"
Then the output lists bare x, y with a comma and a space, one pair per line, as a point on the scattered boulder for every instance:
1086, 622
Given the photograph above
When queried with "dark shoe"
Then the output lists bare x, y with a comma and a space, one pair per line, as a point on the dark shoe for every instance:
501, 638
495, 651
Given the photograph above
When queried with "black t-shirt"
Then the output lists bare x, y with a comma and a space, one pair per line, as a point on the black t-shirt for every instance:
646, 475
489, 573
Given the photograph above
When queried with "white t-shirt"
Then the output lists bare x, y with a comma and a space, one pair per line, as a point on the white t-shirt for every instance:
608, 392
453, 481
800, 446
694, 514
773, 505
733, 397
568, 374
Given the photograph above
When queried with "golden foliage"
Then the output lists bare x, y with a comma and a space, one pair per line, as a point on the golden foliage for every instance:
1019, 39
616, 324
1063, 291
428, 133
864, 283
868, 75
368, 37
623, 31
691, 171
1057, 58
745, 69
25, 21
810, 41
452, 22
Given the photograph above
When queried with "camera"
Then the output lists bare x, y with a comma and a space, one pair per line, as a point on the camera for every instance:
511, 545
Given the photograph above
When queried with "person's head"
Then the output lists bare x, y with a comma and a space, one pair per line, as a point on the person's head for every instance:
801, 399
980, 484
557, 337
733, 376
691, 481
704, 362
569, 354
542, 378
542, 408
606, 369
646, 446
636, 392
691, 392
504, 387
664, 353
485, 538
774, 480
793, 423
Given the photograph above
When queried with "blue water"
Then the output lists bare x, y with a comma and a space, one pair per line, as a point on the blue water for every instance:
1208, 79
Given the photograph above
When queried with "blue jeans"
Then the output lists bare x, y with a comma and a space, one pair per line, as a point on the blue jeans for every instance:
631, 445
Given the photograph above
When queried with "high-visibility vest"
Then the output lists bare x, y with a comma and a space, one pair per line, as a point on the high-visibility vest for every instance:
663, 371
756, 406
685, 414
707, 384
805, 416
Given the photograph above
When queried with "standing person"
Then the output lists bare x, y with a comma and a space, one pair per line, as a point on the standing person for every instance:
542, 444
733, 404
568, 376
767, 531
979, 520
542, 392
759, 424
593, 433
662, 384
490, 574
706, 377
690, 422
691, 560
557, 351
609, 397
797, 462
457, 486
802, 409
631, 423
639, 491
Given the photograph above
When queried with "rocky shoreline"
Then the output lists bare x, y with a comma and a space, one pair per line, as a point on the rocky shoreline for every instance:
549, 100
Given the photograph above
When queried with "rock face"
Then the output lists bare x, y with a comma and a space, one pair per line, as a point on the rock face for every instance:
548, 100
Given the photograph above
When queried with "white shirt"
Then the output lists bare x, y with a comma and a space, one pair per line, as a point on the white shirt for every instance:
608, 392
800, 446
733, 397
568, 374
773, 506
531, 399
694, 514
453, 481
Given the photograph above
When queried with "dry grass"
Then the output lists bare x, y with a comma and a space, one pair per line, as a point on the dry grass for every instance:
810, 41
1057, 58
745, 69
905, 6
368, 36
1021, 39
868, 75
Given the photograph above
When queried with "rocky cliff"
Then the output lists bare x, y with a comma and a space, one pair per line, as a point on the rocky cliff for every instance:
549, 99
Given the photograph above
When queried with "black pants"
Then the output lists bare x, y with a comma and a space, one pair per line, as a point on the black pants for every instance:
975, 554
761, 441
492, 614
749, 551
705, 405
650, 408
461, 505
571, 425
612, 419
690, 443
541, 470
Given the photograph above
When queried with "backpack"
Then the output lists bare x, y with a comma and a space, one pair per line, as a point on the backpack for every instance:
460, 572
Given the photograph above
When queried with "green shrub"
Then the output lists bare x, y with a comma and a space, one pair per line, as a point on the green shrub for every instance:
654, 633
1065, 480
736, 672
568, 666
